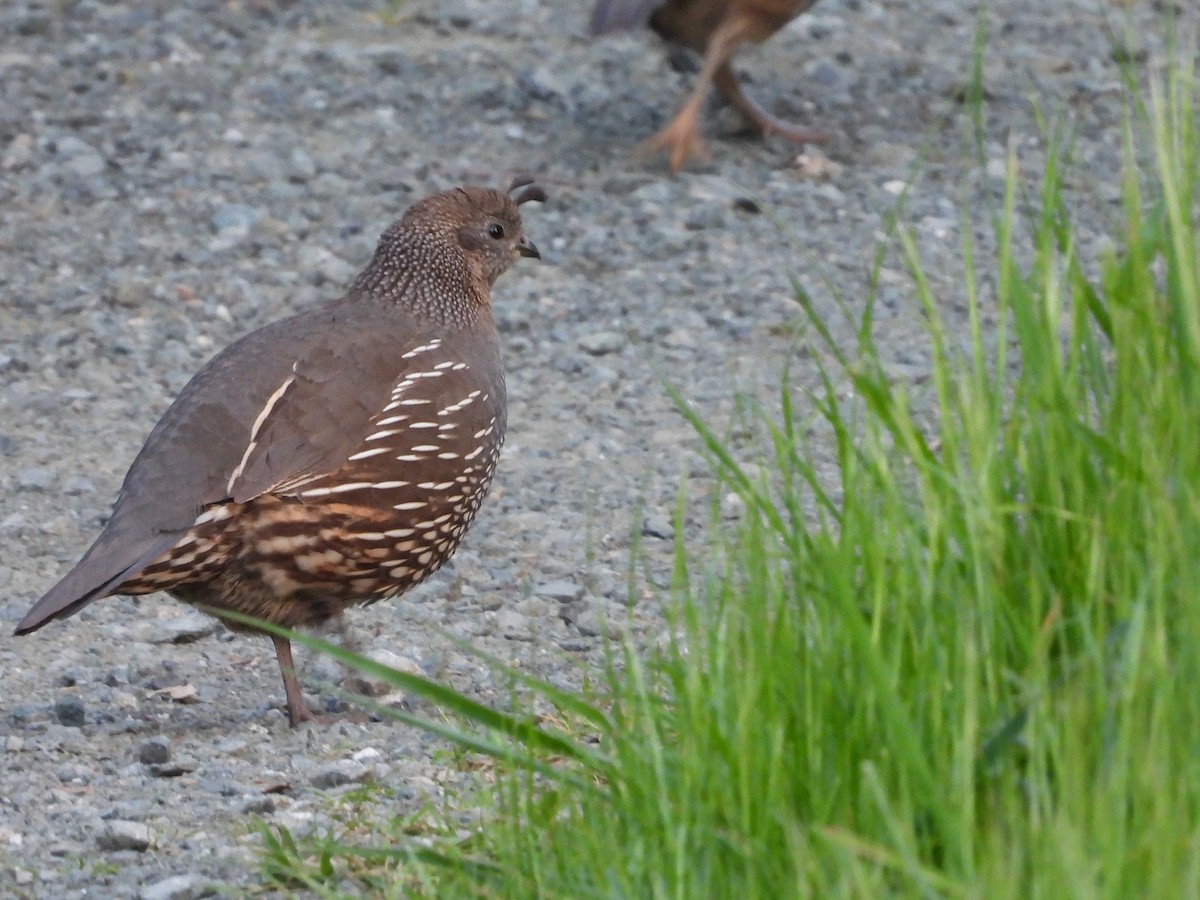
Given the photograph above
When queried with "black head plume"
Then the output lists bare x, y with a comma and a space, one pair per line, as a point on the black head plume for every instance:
523, 190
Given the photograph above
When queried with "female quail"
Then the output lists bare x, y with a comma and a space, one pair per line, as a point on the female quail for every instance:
715, 29
332, 458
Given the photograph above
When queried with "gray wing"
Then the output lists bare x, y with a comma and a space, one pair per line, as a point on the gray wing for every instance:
289, 399
614, 15
233, 434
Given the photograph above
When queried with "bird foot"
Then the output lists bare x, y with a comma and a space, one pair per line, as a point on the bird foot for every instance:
680, 140
297, 717
327, 719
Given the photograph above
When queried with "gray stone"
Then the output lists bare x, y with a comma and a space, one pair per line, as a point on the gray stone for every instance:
35, 478
177, 887
601, 343
513, 625
302, 168
260, 806
232, 746
344, 771
679, 339
325, 267
154, 751
732, 506
88, 164
191, 626
659, 526
79, 484
119, 834
174, 768
708, 215
20, 153
562, 590
593, 622
377, 688
70, 711
545, 84
236, 218
69, 146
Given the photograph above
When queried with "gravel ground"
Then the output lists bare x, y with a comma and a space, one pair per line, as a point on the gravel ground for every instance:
175, 174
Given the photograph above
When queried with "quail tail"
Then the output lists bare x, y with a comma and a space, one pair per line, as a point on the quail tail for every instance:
97, 575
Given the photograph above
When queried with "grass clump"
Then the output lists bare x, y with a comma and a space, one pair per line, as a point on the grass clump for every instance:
968, 667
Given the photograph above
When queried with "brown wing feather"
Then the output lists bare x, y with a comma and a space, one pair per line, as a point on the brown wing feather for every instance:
321, 415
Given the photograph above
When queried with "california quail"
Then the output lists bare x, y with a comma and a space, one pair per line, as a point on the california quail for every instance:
714, 28
335, 457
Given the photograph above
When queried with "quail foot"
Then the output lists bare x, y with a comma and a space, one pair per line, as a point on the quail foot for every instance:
333, 458
716, 29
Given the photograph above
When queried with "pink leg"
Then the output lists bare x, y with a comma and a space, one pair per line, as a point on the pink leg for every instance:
297, 710
681, 138
727, 83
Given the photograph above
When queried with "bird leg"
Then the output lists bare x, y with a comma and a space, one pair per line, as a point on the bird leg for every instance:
727, 83
681, 138
297, 710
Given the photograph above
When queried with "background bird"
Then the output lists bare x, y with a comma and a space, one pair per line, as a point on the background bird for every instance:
715, 29
332, 458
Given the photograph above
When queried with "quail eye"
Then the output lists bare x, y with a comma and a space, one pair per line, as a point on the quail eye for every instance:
496, 230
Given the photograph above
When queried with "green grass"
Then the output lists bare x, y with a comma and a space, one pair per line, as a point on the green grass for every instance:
968, 668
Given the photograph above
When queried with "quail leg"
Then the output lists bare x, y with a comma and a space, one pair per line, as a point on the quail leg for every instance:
297, 710
681, 138
727, 83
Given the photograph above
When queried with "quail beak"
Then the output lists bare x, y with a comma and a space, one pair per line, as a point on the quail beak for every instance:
526, 247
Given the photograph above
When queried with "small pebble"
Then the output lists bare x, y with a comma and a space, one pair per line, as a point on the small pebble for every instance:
563, 590
602, 343
658, 526
191, 626
154, 751
344, 771
118, 834
35, 478
70, 711
259, 806
513, 625
236, 218
177, 887
173, 769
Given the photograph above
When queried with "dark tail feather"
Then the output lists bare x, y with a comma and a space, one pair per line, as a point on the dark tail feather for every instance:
614, 15
92, 578
56, 604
